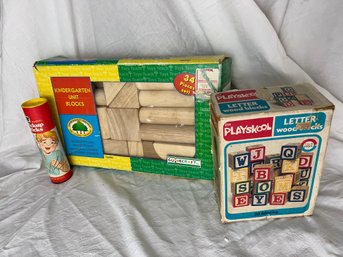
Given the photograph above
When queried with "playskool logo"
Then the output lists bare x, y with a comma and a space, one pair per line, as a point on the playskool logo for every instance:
238, 95
246, 129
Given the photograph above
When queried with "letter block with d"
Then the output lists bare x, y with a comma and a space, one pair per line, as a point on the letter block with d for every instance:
239, 160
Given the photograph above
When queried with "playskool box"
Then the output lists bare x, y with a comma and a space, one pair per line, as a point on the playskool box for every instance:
141, 115
269, 145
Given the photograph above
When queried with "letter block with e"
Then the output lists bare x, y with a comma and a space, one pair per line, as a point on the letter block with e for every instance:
243, 187
263, 172
256, 152
290, 166
298, 194
259, 199
239, 160
290, 151
283, 184
278, 198
241, 200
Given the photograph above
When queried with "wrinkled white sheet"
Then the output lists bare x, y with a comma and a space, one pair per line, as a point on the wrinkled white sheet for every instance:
111, 213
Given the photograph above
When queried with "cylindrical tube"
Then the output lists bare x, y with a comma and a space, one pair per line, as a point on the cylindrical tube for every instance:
38, 115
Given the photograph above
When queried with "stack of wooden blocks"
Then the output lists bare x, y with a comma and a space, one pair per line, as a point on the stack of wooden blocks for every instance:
150, 120
259, 179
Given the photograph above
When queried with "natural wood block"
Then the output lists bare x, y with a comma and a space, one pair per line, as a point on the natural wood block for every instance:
115, 147
155, 86
239, 160
135, 148
99, 95
165, 99
124, 124
290, 166
167, 133
103, 122
172, 116
274, 159
239, 175
121, 95
283, 184
149, 150
164, 149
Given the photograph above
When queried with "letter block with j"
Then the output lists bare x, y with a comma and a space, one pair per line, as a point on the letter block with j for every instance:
256, 152
239, 160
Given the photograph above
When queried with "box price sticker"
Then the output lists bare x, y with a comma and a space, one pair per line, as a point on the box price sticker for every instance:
185, 83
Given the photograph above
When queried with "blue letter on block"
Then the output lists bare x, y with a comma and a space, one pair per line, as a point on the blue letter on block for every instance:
241, 161
288, 152
259, 200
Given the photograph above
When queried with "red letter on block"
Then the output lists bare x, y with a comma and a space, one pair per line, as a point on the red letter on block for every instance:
241, 200
277, 198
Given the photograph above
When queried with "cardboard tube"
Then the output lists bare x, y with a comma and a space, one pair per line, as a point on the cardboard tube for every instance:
165, 149
173, 116
167, 133
165, 99
99, 96
155, 86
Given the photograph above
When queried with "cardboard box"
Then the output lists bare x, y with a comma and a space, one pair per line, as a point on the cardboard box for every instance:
140, 115
269, 146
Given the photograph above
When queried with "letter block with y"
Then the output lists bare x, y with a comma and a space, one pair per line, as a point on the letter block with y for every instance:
239, 160
259, 199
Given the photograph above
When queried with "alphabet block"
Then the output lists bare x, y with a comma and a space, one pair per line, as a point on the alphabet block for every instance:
298, 194
256, 152
290, 151
274, 159
283, 184
305, 160
296, 178
305, 173
241, 187
278, 199
290, 166
263, 172
288, 90
303, 182
239, 175
239, 160
252, 165
259, 199
263, 187
241, 200
304, 99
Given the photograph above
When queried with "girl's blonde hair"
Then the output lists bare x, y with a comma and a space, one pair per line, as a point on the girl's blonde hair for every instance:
48, 134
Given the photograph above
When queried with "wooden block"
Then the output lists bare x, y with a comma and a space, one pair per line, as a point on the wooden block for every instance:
172, 116
303, 182
283, 184
303, 99
263, 187
305, 173
263, 172
239, 175
155, 86
99, 95
305, 160
243, 187
278, 198
115, 147
126, 97
165, 149
256, 152
241, 200
111, 90
288, 90
296, 178
103, 122
168, 133
165, 99
135, 148
274, 159
238, 160
124, 124
259, 199
298, 194
149, 150
290, 151
290, 166
252, 165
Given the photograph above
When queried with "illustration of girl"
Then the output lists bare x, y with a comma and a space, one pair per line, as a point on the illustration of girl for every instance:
55, 159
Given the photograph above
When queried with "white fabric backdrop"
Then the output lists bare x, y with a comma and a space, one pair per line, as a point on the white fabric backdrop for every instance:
112, 213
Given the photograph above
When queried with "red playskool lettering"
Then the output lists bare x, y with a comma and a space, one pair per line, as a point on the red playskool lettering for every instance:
239, 95
244, 129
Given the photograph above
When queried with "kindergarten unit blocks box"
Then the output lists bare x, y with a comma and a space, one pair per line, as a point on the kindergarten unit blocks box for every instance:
269, 146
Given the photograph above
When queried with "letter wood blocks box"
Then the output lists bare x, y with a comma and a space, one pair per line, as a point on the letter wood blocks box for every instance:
141, 115
269, 146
